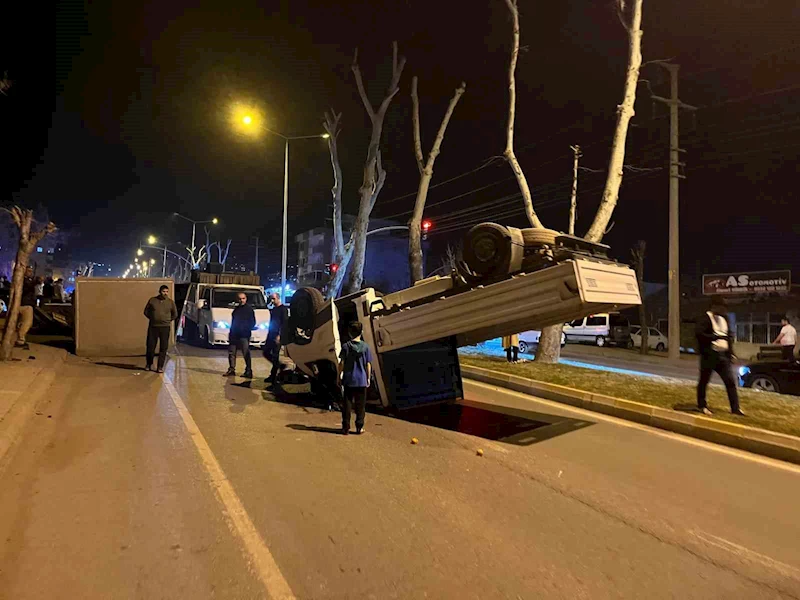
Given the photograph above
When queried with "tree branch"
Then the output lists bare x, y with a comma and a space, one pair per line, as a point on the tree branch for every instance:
415, 121
360, 84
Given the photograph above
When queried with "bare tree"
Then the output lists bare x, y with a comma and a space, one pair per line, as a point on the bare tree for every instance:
341, 254
522, 181
28, 240
374, 174
573, 200
223, 256
425, 175
550, 339
625, 113
637, 256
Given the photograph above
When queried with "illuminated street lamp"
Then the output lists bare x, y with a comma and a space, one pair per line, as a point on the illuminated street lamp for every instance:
139, 252
151, 239
194, 223
247, 120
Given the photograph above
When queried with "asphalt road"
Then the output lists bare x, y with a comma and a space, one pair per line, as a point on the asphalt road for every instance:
133, 485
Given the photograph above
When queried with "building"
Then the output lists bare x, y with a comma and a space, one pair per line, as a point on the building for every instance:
386, 268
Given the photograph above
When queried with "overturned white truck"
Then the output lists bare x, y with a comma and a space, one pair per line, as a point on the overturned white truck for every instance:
509, 280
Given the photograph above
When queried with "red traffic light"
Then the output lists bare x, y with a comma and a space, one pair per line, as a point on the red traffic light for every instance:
334, 268
426, 225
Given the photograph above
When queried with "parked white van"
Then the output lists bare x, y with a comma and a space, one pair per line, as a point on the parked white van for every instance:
529, 340
207, 310
601, 330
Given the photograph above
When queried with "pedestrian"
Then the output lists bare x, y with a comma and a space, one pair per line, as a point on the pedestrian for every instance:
278, 317
160, 312
787, 339
511, 346
47, 289
715, 341
355, 374
243, 320
27, 302
58, 291
39, 290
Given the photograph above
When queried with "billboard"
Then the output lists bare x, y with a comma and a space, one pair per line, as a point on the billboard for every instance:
747, 282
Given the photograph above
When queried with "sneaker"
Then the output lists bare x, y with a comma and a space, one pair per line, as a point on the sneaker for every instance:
148, 368
345, 431
247, 374
160, 370
739, 412
705, 411
359, 430
229, 373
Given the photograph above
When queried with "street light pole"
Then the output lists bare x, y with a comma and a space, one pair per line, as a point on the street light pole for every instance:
164, 263
285, 219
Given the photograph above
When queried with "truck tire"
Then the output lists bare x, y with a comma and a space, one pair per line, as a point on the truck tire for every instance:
487, 249
306, 303
537, 236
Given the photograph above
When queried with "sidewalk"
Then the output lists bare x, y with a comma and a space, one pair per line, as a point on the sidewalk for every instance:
25, 379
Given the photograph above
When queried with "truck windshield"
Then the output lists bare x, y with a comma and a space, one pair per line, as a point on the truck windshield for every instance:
223, 298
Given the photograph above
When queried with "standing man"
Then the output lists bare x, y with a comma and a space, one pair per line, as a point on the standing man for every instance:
27, 302
787, 339
278, 317
355, 374
715, 342
161, 312
243, 320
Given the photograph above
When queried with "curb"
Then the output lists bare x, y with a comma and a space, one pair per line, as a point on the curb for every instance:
13, 423
752, 439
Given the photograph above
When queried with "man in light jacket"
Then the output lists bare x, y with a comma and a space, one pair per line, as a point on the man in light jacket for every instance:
161, 312
715, 341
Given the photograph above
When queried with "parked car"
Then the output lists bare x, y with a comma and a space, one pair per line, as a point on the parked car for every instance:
655, 339
601, 330
528, 340
778, 376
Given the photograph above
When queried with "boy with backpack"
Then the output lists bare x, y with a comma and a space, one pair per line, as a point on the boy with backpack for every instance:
355, 373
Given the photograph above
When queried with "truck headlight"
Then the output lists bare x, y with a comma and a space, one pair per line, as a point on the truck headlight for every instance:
221, 325
744, 371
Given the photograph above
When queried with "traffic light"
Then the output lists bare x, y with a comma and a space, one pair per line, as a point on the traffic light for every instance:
426, 227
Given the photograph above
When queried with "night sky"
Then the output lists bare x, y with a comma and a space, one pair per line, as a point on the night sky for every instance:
117, 118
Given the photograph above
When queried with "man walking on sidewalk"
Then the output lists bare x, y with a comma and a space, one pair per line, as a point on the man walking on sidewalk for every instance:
27, 302
243, 320
355, 373
787, 339
161, 312
715, 342
278, 316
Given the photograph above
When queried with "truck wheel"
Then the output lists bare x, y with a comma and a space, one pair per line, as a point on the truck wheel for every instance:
487, 249
536, 236
306, 303
600, 341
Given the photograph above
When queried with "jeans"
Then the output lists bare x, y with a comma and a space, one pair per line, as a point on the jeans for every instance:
158, 335
512, 354
237, 344
354, 396
24, 323
722, 365
787, 352
272, 352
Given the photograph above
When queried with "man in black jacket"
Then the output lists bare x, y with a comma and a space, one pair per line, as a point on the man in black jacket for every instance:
715, 340
278, 316
160, 312
242, 322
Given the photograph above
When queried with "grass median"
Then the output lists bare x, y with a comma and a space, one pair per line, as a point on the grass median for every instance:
767, 411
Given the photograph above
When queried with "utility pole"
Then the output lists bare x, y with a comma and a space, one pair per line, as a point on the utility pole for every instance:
256, 270
674, 103
573, 203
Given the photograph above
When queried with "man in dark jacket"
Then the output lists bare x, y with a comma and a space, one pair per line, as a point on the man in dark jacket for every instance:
715, 341
278, 316
161, 312
27, 303
243, 320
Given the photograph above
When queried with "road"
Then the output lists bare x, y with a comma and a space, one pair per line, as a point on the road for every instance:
132, 485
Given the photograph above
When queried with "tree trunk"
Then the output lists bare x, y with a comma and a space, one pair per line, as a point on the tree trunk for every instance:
510, 156
340, 256
374, 175
28, 240
624, 114
638, 253
549, 350
425, 175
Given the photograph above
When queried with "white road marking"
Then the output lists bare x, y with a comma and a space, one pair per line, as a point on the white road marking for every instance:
262, 560
594, 416
744, 552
